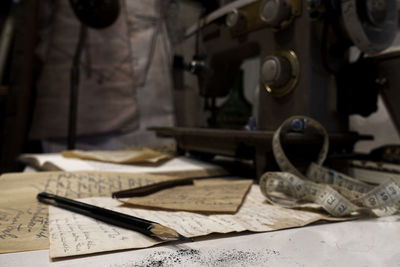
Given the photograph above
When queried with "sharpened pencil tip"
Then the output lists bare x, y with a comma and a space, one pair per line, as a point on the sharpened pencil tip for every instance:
166, 233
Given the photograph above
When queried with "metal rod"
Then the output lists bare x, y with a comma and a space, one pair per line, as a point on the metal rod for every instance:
74, 88
5, 41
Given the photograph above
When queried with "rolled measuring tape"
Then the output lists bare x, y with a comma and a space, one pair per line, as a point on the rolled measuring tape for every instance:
335, 192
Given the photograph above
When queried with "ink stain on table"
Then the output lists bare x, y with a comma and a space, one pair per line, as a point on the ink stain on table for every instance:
211, 257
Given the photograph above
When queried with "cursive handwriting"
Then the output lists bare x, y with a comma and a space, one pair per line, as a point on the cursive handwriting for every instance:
27, 220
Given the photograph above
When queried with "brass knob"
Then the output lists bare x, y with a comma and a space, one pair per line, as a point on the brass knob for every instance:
280, 72
276, 71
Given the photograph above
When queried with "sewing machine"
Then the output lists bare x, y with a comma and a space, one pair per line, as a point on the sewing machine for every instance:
304, 50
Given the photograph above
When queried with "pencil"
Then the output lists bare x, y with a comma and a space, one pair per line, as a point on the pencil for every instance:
149, 228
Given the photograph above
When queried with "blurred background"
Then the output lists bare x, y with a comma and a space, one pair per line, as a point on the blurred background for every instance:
126, 82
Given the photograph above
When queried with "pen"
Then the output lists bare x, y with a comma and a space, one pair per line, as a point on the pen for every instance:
152, 188
143, 226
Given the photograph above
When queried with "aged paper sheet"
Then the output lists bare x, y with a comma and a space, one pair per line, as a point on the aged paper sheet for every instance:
56, 162
139, 155
24, 221
74, 234
209, 196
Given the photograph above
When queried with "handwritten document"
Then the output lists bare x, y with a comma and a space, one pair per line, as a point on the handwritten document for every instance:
208, 196
74, 234
24, 221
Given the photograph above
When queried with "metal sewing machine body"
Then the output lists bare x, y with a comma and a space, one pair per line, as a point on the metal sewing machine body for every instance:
300, 52
303, 47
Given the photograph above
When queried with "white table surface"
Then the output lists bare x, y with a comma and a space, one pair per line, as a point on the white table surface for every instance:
368, 242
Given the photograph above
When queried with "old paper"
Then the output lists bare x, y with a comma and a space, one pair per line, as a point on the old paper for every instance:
56, 162
24, 221
74, 234
209, 196
139, 155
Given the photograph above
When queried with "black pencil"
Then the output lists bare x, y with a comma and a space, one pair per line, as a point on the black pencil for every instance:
143, 226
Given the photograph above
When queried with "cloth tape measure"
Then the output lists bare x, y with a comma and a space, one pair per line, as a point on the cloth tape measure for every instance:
335, 192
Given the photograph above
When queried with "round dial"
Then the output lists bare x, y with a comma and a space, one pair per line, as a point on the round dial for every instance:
274, 12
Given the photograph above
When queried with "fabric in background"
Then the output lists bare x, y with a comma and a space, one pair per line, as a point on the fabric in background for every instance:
125, 82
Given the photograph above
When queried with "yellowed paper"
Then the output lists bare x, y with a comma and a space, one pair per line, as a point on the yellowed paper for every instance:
139, 155
74, 234
24, 221
56, 162
209, 196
